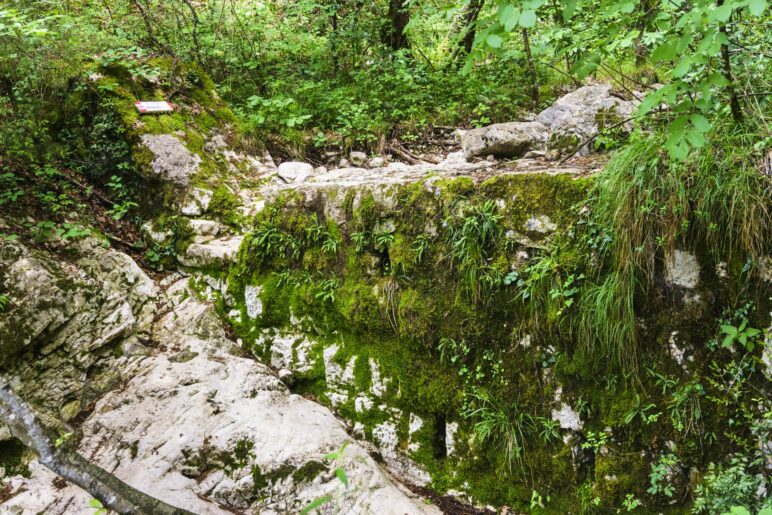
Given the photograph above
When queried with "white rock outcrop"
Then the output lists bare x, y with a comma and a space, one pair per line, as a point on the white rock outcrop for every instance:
295, 172
172, 161
215, 252
682, 269
578, 113
192, 423
513, 139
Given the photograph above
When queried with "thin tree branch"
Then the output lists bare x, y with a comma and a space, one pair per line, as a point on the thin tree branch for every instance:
113, 493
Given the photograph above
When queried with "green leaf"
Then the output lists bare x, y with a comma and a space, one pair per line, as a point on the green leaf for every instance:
700, 123
528, 19
664, 52
695, 139
729, 329
626, 7
494, 40
720, 14
683, 67
508, 17
586, 66
678, 148
728, 341
316, 503
757, 7
569, 8
342, 476
95, 503
651, 101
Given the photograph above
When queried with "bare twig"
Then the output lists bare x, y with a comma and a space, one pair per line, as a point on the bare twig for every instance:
588, 140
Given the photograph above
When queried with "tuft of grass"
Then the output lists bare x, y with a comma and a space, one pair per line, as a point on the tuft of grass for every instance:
641, 208
472, 242
605, 325
503, 424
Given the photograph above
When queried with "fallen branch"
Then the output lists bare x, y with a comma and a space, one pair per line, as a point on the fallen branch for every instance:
111, 491
404, 155
588, 140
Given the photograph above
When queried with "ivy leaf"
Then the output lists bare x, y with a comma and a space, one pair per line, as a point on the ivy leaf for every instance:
757, 7
528, 19
494, 40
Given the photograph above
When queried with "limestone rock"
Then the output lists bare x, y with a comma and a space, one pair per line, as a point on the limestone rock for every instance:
204, 230
215, 252
64, 317
295, 172
358, 158
567, 417
149, 232
166, 433
575, 116
172, 161
196, 202
513, 139
376, 162
252, 301
682, 269
540, 224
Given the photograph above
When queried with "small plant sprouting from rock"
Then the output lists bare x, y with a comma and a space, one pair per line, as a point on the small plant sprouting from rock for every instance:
340, 473
472, 242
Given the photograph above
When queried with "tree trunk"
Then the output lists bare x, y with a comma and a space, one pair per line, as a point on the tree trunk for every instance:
532, 71
111, 491
471, 14
399, 17
726, 64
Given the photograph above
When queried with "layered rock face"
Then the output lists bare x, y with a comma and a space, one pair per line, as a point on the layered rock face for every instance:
184, 419
67, 318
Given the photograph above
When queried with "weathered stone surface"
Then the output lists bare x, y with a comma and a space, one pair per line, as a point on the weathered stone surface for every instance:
64, 317
150, 233
682, 269
513, 139
358, 158
252, 301
576, 115
376, 162
172, 161
540, 224
295, 172
196, 202
215, 252
211, 432
204, 230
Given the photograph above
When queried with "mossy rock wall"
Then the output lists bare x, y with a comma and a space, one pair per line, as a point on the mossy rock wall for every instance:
402, 308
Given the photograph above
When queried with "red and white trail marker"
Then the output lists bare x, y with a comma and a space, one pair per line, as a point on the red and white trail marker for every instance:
149, 107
